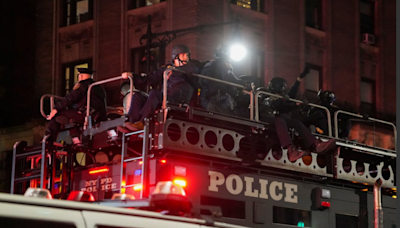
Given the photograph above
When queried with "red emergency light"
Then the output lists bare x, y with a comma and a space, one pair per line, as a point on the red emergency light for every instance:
180, 182
163, 161
325, 204
137, 187
81, 196
99, 170
123, 184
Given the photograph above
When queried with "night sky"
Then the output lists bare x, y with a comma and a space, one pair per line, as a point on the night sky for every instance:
17, 62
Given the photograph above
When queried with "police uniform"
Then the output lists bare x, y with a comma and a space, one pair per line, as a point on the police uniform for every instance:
73, 105
180, 89
215, 96
281, 107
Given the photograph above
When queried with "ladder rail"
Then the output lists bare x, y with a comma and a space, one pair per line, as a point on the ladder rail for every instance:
13, 166
144, 158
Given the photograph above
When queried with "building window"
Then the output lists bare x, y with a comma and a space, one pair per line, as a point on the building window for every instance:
367, 12
71, 75
76, 11
257, 5
367, 96
229, 208
134, 4
252, 64
139, 61
313, 83
290, 216
314, 14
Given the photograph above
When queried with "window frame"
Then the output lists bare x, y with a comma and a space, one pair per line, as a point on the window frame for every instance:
311, 94
317, 21
367, 19
72, 73
256, 5
136, 4
68, 19
255, 59
371, 107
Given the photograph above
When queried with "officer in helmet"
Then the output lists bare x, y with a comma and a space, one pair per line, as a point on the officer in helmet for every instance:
73, 105
180, 86
318, 117
281, 108
326, 98
215, 96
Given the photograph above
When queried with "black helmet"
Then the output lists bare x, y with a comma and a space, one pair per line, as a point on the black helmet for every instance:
221, 51
277, 85
326, 97
178, 49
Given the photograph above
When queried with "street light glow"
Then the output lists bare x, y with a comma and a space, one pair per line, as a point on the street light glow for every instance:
237, 52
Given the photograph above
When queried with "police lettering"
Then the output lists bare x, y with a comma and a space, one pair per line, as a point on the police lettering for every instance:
105, 184
236, 185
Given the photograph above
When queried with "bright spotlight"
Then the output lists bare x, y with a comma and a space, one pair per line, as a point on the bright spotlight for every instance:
237, 52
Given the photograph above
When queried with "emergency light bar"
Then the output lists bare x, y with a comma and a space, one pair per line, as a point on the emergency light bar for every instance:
137, 187
38, 193
170, 198
180, 182
81, 196
119, 196
99, 170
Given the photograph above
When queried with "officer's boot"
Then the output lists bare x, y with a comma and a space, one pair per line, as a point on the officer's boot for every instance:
294, 153
323, 147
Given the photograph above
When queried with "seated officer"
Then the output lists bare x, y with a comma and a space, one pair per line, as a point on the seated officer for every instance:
180, 86
281, 107
73, 105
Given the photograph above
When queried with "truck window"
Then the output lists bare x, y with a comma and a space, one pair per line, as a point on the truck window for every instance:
32, 223
230, 208
290, 216
349, 221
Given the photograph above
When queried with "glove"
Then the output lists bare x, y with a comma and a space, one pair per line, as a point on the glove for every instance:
247, 86
246, 80
305, 72
286, 97
305, 102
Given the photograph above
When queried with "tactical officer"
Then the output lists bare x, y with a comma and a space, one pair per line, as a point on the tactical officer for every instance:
317, 116
73, 105
180, 86
281, 107
215, 96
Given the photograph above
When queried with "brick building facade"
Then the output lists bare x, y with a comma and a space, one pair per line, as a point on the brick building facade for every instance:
279, 40
349, 44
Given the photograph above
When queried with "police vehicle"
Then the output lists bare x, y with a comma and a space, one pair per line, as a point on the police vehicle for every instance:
37, 209
228, 167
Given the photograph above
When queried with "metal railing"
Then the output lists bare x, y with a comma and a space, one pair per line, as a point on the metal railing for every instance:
52, 97
165, 80
336, 114
257, 110
37, 153
144, 158
88, 119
